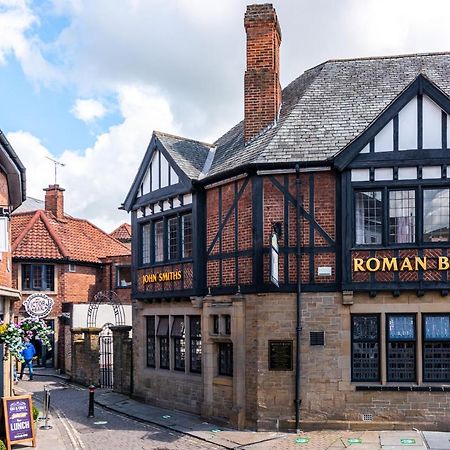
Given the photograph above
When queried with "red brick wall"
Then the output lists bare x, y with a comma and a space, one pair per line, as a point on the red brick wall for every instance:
320, 186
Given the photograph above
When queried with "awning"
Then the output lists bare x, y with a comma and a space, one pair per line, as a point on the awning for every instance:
163, 327
178, 327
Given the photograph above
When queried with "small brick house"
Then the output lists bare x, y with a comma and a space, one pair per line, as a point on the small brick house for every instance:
69, 260
295, 271
12, 194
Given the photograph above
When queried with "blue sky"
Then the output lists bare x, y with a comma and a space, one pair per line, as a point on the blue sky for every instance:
87, 81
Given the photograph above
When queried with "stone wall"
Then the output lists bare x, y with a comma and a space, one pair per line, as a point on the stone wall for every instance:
85, 356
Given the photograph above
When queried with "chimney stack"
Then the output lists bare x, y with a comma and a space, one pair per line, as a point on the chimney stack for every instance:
262, 89
54, 200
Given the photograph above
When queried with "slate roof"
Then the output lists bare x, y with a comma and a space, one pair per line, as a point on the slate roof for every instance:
39, 235
322, 112
30, 204
188, 154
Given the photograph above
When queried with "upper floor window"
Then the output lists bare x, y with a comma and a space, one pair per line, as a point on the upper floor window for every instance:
123, 276
4, 235
390, 216
436, 215
368, 217
38, 277
167, 239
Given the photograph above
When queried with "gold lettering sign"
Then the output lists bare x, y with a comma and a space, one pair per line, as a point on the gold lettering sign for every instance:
398, 265
158, 277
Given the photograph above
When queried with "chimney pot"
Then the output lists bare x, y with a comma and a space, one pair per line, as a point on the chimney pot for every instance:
54, 200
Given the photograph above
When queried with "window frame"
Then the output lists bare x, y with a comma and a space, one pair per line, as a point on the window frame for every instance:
419, 186
194, 340
44, 280
147, 250
378, 341
414, 341
225, 348
437, 340
118, 269
433, 188
151, 336
179, 344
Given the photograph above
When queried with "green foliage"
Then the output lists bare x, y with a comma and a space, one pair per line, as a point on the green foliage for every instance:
35, 416
2, 445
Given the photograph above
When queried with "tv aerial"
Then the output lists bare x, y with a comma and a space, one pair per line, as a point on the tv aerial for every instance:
56, 163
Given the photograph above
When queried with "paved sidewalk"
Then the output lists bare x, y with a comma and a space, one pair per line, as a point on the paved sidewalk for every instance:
217, 436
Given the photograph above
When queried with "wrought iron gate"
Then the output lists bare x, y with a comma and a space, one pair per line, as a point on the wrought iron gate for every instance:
106, 357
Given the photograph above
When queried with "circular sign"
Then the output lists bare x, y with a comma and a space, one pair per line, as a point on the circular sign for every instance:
38, 305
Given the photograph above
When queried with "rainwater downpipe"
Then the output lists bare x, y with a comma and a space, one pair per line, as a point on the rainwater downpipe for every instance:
298, 327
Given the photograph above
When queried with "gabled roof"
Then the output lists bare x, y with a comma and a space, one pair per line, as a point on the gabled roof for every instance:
39, 235
189, 155
122, 233
328, 106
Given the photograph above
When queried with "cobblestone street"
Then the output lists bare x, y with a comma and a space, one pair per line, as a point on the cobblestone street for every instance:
107, 430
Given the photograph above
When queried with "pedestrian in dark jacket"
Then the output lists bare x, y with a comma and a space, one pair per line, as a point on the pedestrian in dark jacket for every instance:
28, 352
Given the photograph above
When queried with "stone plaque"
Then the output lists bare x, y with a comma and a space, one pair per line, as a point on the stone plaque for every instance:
280, 355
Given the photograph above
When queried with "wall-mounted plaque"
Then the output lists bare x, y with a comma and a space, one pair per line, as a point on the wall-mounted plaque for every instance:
280, 355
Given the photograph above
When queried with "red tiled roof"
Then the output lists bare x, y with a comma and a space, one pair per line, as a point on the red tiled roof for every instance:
122, 232
38, 234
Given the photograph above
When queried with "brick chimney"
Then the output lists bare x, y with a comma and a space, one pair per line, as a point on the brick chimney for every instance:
54, 200
262, 89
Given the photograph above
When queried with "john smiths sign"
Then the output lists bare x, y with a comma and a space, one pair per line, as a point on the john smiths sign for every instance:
399, 264
38, 305
158, 277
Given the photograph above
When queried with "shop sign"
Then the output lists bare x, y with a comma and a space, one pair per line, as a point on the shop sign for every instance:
394, 264
18, 416
38, 305
158, 277
280, 355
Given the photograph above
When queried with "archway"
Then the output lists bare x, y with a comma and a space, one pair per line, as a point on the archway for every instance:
108, 298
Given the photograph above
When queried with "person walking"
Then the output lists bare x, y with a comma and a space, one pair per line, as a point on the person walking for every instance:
28, 352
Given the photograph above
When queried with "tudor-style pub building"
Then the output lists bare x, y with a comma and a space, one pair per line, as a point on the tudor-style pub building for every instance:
296, 270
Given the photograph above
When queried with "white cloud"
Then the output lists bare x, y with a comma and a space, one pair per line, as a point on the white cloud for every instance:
98, 179
88, 110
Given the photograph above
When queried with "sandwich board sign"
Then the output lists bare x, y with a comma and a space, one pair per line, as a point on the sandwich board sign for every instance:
18, 416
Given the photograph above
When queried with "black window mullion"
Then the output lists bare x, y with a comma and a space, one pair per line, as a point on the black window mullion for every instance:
385, 216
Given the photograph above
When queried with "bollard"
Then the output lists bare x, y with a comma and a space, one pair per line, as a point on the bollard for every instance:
46, 409
91, 400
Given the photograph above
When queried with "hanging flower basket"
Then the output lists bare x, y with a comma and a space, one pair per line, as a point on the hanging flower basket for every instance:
12, 335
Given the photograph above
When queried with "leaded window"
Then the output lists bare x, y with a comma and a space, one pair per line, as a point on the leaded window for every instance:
225, 356
402, 216
436, 347
368, 217
151, 353
401, 347
159, 241
164, 347
38, 277
195, 333
186, 224
172, 238
179, 343
436, 215
146, 243
365, 348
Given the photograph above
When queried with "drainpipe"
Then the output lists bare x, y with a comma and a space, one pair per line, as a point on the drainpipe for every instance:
298, 328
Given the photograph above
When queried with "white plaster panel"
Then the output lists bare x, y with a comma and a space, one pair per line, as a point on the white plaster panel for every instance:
407, 173
187, 199
164, 171
448, 131
432, 124
105, 315
407, 126
448, 171
384, 140
431, 172
146, 182
360, 175
156, 208
139, 213
366, 149
384, 174
173, 177
176, 202
155, 171
166, 205
148, 210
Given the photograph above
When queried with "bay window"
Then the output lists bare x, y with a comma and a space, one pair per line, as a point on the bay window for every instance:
436, 215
